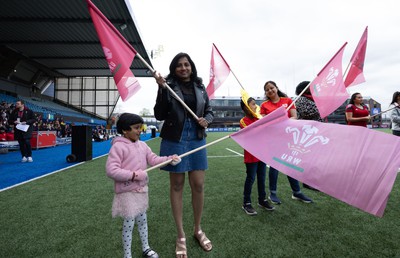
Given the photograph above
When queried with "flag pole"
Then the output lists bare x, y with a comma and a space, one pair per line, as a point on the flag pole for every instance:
188, 153
297, 97
228, 65
346, 71
383, 111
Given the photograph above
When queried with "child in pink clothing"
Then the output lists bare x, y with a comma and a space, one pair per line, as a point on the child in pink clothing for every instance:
126, 165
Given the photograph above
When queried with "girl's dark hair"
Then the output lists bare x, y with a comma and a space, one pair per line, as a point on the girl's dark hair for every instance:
125, 121
353, 97
244, 107
395, 96
174, 64
280, 93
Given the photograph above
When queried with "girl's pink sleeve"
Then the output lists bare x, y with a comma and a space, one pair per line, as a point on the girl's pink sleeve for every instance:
153, 159
114, 168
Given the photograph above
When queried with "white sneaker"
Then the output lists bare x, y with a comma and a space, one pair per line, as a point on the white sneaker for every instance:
24, 159
30, 159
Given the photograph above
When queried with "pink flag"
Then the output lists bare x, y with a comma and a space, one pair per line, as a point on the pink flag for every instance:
328, 89
351, 163
355, 75
219, 71
119, 53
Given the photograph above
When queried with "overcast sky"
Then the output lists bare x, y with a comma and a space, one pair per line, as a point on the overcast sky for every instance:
284, 41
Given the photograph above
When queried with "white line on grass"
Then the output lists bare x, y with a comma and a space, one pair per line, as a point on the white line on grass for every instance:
237, 154
224, 156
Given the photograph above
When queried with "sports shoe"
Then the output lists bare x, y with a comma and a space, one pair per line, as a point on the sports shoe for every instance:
30, 159
301, 197
249, 209
150, 253
265, 204
24, 159
274, 199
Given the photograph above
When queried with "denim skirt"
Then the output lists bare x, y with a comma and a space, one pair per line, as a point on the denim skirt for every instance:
188, 142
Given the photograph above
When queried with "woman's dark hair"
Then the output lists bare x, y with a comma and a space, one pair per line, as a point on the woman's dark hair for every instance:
395, 96
125, 121
353, 97
302, 85
280, 93
174, 64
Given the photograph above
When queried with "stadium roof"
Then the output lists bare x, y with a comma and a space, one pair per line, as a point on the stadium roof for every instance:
58, 38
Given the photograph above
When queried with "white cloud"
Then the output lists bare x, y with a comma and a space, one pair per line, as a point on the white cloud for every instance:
284, 41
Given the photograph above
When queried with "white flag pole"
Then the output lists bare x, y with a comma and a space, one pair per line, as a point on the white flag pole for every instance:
188, 153
297, 97
383, 111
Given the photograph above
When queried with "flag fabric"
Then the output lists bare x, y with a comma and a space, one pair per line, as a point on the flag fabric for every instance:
327, 88
355, 75
351, 163
118, 52
219, 71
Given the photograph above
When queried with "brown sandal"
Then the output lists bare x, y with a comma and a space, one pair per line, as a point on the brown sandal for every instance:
204, 242
180, 248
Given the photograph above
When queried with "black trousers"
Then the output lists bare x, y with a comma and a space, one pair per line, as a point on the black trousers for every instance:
25, 147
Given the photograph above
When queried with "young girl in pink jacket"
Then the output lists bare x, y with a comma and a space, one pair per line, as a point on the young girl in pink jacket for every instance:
126, 165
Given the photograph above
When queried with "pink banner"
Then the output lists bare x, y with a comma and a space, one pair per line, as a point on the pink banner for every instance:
328, 89
355, 75
118, 52
353, 164
219, 71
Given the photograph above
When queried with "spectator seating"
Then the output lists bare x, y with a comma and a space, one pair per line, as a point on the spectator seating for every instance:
51, 110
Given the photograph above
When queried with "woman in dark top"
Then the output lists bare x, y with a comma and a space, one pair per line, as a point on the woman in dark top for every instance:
180, 133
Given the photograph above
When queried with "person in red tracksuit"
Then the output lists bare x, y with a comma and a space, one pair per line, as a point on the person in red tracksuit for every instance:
253, 165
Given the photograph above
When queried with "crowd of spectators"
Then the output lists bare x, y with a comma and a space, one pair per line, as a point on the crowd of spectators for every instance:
99, 134
6, 131
58, 125
62, 129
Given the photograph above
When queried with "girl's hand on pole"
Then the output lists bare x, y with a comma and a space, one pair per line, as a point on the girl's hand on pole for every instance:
175, 160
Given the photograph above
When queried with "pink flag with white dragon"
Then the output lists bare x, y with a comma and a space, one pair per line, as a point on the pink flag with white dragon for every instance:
219, 71
327, 88
118, 52
342, 161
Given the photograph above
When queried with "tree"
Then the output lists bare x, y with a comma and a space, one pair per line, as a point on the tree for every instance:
145, 112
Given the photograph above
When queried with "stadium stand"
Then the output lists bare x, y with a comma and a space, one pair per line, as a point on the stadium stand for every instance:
50, 110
